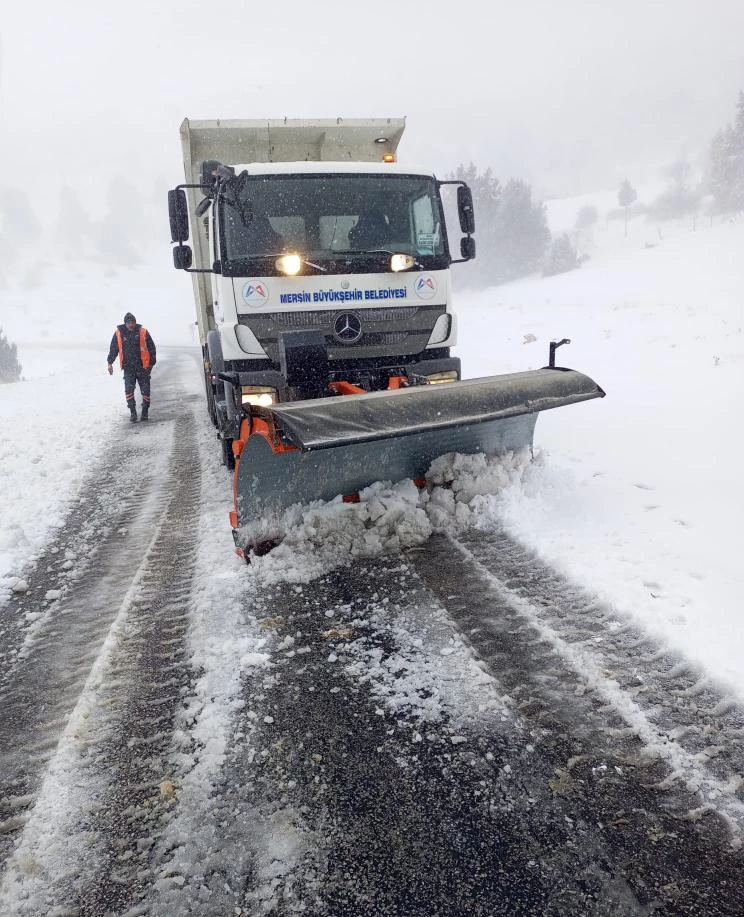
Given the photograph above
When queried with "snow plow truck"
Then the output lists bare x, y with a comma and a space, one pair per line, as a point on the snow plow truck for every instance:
321, 276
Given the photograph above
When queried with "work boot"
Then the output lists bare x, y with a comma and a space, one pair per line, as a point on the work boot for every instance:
133, 412
145, 409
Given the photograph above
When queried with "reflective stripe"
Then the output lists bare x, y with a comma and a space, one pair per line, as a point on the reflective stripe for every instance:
120, 342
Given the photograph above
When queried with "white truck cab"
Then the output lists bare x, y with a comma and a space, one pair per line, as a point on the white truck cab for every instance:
317, 258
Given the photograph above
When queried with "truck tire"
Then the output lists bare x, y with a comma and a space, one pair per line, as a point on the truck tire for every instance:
228, 459
217, 363
208, 388
214, 349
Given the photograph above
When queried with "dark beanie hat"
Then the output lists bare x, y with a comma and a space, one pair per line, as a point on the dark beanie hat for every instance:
129, 318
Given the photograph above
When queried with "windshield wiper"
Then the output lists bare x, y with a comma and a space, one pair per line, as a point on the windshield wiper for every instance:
369, 251
318, 267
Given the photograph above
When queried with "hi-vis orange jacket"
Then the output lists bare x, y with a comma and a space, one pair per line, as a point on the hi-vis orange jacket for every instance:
135, 348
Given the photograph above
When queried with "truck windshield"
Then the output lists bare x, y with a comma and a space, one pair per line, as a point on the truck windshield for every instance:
327, 217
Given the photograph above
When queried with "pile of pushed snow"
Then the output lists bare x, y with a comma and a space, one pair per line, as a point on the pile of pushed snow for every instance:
459, 484
321, 536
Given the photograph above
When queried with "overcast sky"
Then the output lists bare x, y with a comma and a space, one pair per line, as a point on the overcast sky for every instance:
569, 94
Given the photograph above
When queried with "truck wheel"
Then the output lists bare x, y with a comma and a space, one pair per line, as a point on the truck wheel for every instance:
228, 459
214, 349
210, 398
217, 364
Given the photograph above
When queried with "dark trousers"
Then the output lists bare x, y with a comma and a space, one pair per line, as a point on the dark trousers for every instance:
133, 375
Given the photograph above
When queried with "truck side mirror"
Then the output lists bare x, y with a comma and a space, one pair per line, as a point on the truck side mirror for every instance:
467, 248
208, 176
465, 209
182, 257
178, 213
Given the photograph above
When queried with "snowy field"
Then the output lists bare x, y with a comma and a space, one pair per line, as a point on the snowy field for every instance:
52, 427
637, 496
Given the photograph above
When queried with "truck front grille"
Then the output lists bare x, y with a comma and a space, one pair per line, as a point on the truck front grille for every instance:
324, 318
386, 332
383, 338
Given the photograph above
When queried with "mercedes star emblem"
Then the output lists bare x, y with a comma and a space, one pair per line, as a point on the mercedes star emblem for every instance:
347, 327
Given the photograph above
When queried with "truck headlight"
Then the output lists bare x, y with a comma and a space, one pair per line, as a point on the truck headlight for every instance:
261, 396
438, 378
289, 264
400, 262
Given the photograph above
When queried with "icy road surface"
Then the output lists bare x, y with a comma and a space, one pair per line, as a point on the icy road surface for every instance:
447, 728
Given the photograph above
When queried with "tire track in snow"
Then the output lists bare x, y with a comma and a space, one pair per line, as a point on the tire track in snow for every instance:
328, 806
672, 826
149, 681
111, 498
680, 711
351, 788
91, 707
51, 665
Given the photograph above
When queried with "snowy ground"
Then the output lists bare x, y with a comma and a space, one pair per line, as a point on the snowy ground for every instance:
636, 496
51, 427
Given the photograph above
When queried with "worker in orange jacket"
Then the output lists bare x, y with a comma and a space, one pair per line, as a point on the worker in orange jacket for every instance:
137, 356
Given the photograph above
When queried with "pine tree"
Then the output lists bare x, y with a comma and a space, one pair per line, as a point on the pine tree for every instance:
720, 168
586, 219
484, 185
737, 155
123, 222
562, 257
727, 163
17, 215
626, 195
486, 190
74, 225
512, 230
10, 368
521, 233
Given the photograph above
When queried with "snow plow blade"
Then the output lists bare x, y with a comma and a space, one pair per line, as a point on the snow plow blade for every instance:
318, 449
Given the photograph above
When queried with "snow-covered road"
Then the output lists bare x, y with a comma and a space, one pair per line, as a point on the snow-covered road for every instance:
518, 692
437, 724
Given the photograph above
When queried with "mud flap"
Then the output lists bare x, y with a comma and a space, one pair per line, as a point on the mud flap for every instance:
342, 444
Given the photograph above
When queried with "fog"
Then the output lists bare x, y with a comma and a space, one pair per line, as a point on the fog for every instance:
569, 96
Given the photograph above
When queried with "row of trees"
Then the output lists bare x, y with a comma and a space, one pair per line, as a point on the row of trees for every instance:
513, 235
129, 222
685, 193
